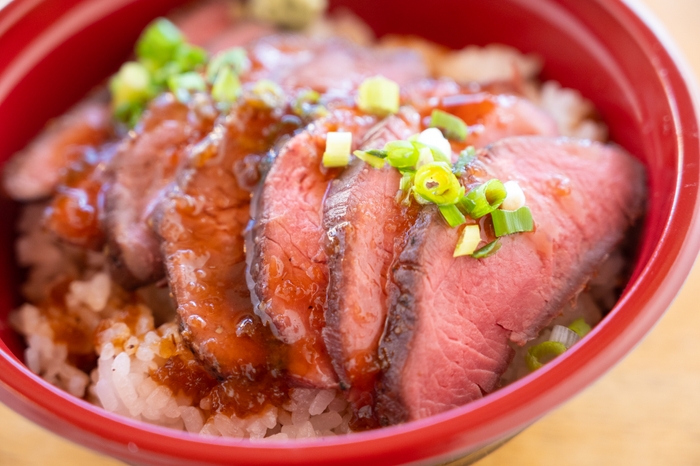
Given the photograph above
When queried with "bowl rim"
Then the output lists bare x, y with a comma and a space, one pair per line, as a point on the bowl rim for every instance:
503, 412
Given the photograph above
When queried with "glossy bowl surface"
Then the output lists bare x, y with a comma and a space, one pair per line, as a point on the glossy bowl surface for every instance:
53, 51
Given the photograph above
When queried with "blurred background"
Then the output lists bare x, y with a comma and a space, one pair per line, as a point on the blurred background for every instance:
644, 412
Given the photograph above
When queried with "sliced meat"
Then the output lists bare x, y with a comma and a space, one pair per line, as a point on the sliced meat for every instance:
34, 173
288, 275
450, 319
362, 220
366, 224
303, 62
146, 162
75, 211
201, 224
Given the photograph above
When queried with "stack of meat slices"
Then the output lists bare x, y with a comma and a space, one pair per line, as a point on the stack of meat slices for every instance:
323, 279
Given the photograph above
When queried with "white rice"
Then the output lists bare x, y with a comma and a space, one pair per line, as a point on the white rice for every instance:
122, 382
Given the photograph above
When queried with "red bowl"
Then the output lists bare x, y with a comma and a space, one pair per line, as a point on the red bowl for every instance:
53, 51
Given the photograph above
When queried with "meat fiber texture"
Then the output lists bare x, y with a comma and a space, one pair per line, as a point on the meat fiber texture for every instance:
451, 319
144, 165
362, 219
34, 173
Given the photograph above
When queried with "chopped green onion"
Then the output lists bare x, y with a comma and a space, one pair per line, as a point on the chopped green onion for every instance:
182, 85
484, 199
436, 183
159, 42
580, 327
227, 86
506, 222
425, 156
267, 94
466, 157
378, 96
406, 181
188, 57
433, 138
236, 58
401, 154
453, 127
539, 355
515, 197
488, 250
564, 335
452, 215
372, 160
338, 146
469, 239
132, 84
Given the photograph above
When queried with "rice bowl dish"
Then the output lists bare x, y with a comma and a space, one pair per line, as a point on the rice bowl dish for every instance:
130, 347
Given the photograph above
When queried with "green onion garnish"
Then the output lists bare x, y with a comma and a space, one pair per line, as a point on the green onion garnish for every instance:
452, 215
506, 222
484, 199
227, 86
580, 327
436, 183
487, 250
378, 96
267, 94
466, 157
406, 181
372, 160
539, 355
338, 146
235, 58
182, 85
401, 154
469, 239
453, 127
132, 84
188, 57
159, 42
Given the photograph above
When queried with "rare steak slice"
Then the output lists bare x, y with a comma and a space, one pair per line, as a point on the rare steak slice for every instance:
362, 219
450, 319
201, 223
367, 225
145, 164
35, 172
288, 274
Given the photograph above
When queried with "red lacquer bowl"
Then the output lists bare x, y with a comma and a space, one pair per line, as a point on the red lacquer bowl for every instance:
53, 51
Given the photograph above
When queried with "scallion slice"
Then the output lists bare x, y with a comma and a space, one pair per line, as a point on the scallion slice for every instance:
580, 327
267, 94
372, 160
406, 181
189, 57
378, 96
453, 127
131, 85
236, 58
227, 86
469, 239
506, 222
401, 154
436, 183
488, 250
452, 215
484, 199
182, 85
338, 146
541, 354
159, 42
564, 335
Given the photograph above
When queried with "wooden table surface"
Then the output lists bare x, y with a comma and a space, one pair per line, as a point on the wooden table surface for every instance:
646, 411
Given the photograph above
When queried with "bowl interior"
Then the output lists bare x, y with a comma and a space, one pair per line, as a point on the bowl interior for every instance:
52, 52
